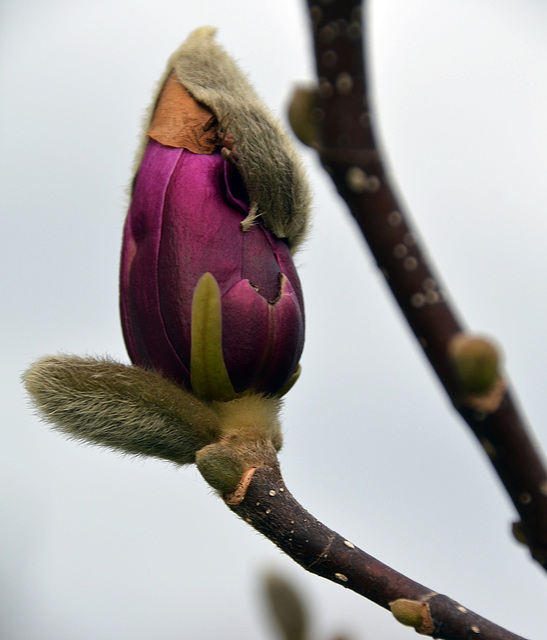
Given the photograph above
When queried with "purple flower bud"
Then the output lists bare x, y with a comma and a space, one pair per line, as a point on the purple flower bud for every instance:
185, 221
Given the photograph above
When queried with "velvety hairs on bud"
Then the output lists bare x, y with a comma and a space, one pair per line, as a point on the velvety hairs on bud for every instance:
120, 407
254, 417
270, 166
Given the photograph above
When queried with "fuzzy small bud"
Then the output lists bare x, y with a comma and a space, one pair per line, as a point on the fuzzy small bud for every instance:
220, 466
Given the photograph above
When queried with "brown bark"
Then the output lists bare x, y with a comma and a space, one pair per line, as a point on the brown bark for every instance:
266, 504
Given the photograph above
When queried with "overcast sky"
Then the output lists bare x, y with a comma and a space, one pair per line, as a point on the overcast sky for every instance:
96, 546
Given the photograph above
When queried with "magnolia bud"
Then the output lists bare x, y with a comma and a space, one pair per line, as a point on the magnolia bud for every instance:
209, 295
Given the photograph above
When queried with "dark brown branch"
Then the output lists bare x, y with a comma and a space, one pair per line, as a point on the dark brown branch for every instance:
349, 152
269, 507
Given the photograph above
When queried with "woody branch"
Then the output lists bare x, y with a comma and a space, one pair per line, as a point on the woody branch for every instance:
264, 502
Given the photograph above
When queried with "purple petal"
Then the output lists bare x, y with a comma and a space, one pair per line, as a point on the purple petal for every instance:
245, 333
144, 331
236, 193
259, 264
201, 233
262, 341
185, 219
286, 340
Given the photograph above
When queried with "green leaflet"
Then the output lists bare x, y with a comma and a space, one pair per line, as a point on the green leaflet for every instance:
208, 373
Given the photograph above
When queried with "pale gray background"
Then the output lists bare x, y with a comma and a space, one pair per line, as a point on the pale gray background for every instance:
96, 546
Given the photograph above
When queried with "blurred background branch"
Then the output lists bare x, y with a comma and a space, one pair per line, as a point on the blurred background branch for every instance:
350, 154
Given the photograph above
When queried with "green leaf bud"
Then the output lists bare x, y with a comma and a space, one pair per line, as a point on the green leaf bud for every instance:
413, 613
475, 362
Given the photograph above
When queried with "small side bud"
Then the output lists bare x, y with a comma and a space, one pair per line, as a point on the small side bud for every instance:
220, 466
475, 362
413, 613
287, 608
304, 115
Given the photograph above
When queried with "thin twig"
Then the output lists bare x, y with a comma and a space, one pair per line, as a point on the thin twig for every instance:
349, 153
269, 507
